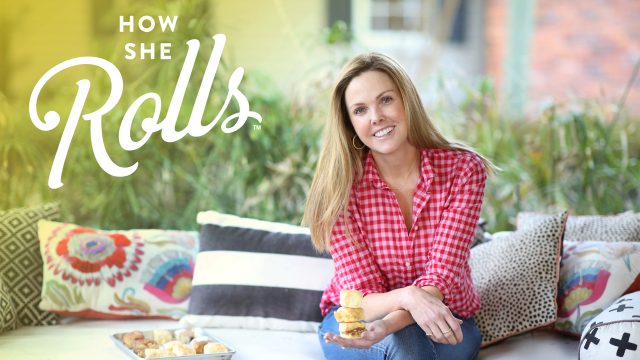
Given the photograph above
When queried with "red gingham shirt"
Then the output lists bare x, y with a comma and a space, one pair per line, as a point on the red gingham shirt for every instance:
445, 212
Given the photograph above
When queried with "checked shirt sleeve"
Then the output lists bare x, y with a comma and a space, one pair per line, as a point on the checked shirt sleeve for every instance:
355, 267
450, 250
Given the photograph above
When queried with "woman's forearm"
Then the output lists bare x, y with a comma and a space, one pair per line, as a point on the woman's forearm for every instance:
378, 305
433, 291
398, 320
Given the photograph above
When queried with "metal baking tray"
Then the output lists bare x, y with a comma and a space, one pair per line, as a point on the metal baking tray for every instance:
117, 340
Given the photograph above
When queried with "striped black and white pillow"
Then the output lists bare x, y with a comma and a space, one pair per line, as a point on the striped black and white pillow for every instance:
256, 274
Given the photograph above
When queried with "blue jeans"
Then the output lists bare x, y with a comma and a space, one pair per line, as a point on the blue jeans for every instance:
410, 343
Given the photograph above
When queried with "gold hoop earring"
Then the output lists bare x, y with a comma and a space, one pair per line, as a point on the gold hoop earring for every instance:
353, 141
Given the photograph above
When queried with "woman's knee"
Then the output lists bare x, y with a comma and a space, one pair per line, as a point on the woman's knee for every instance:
474, 333
410, 343
466, 350
333, 351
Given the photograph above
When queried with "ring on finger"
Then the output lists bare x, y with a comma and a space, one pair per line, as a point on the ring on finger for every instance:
446, 332
428, 334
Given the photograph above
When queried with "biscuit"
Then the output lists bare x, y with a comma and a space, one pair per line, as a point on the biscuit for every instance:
129, 338
162, 336
183, 349
184, 335
214, 347
345, 314
198, 345
140, 345
351, 330
155, 353
350, 298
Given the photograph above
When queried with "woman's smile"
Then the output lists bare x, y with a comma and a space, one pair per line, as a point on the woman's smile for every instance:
384, 132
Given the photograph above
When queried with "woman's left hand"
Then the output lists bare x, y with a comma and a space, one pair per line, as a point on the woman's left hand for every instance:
433, 316
376, 331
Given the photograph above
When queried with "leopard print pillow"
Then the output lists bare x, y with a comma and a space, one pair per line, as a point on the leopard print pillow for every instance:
620, 227
517, 279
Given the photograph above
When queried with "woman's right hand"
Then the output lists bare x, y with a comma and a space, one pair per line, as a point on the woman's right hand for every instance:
376, 331
432, 315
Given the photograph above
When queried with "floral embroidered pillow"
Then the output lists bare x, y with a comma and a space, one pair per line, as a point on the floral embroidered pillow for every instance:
116, 274
593, 274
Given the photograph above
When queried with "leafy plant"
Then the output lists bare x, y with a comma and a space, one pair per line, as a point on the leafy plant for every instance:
575, 156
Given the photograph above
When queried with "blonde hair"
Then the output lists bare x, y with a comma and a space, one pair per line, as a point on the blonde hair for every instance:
341, 163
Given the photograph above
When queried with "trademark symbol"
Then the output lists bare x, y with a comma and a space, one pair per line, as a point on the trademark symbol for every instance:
257, 127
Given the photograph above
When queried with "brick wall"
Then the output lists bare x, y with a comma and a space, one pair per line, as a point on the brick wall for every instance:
583, 48
496, 39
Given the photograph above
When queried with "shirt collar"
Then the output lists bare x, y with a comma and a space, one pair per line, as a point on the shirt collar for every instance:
372, 176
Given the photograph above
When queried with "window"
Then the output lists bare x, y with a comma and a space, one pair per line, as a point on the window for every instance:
438, 18
396, 15
423, 35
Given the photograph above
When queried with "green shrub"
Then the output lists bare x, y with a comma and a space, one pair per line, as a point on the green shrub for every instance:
579, 156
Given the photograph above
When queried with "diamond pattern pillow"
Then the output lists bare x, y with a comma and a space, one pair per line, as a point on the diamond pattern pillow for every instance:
8, 319
516, 277
21, 263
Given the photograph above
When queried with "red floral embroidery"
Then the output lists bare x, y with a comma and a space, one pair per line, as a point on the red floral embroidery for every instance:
88, 256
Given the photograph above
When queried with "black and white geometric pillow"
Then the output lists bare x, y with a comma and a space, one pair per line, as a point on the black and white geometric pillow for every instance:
21, 262
256, 274
615, 332
8, 319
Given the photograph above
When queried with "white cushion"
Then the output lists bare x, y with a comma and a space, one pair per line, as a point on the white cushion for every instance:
534, 345
80, 339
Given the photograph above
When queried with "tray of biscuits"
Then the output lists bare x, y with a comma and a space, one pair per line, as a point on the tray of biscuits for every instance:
182, 344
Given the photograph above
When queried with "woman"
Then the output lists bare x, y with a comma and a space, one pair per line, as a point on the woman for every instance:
396, 204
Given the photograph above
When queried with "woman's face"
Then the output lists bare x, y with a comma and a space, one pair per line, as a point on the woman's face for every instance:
377, 112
